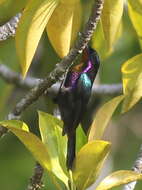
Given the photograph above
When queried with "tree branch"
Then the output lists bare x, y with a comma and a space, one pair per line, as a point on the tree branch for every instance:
60, 69
137, 168
14, 78
9, 29
99, 90
107, 89
35, 181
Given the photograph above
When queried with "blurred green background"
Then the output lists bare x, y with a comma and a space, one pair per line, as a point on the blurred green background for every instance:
124, 131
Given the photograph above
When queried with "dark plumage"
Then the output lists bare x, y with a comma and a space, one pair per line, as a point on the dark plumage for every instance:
74, 95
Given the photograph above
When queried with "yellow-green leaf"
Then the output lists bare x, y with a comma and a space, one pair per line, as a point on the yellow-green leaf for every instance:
64, 26
137, 5
102, 118
98, 41
70, 2
50, 132
132, 80
135, 13
32, 142
30, 29
16, 123
118, 178
88, 163
81, 138
9, 8
111, 18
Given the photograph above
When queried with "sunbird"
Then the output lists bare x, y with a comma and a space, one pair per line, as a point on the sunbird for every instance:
74, 95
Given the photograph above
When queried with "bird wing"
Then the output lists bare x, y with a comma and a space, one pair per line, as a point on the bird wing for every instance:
84, 86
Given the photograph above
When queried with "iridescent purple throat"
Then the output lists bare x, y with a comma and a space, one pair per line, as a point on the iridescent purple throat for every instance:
89, 66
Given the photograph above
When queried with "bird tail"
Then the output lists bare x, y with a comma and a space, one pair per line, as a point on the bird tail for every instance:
71, 150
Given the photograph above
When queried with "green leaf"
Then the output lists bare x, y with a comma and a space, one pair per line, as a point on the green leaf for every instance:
69, 2
64, 26
102, 118
118, 178
16, 123
132, 80
32, 142
98, 41
135, 13
62, 149
137, 5
9, 8
88, 163
50, 129
30, 29
81, 138
111, 18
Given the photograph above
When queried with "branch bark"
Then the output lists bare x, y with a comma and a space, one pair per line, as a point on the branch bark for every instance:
9, 29
14, 78
99, 90
60, 69
35, 180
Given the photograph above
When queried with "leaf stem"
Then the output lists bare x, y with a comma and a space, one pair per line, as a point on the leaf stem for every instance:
72, 185
55, 75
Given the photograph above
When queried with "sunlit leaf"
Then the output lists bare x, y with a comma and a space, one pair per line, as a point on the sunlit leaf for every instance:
50, 132
98, 41
88, 163
32, 142
16, 123
132, 80
31, 27
111, 18
135, 13
137, 5
62, 142
9, 8
102, 118
64, 26
118, 178
69, 2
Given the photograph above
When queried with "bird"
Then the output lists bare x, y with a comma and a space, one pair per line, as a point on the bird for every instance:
73, 97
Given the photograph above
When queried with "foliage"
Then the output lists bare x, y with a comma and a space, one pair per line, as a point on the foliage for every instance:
51, 155
15, 6
132, 78
63, 20
102, 118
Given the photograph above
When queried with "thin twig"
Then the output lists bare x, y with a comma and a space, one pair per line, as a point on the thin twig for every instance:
55, 75
137, 168
60, 69
35, 180
9, 29
107, 89
14, 78
99, 90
